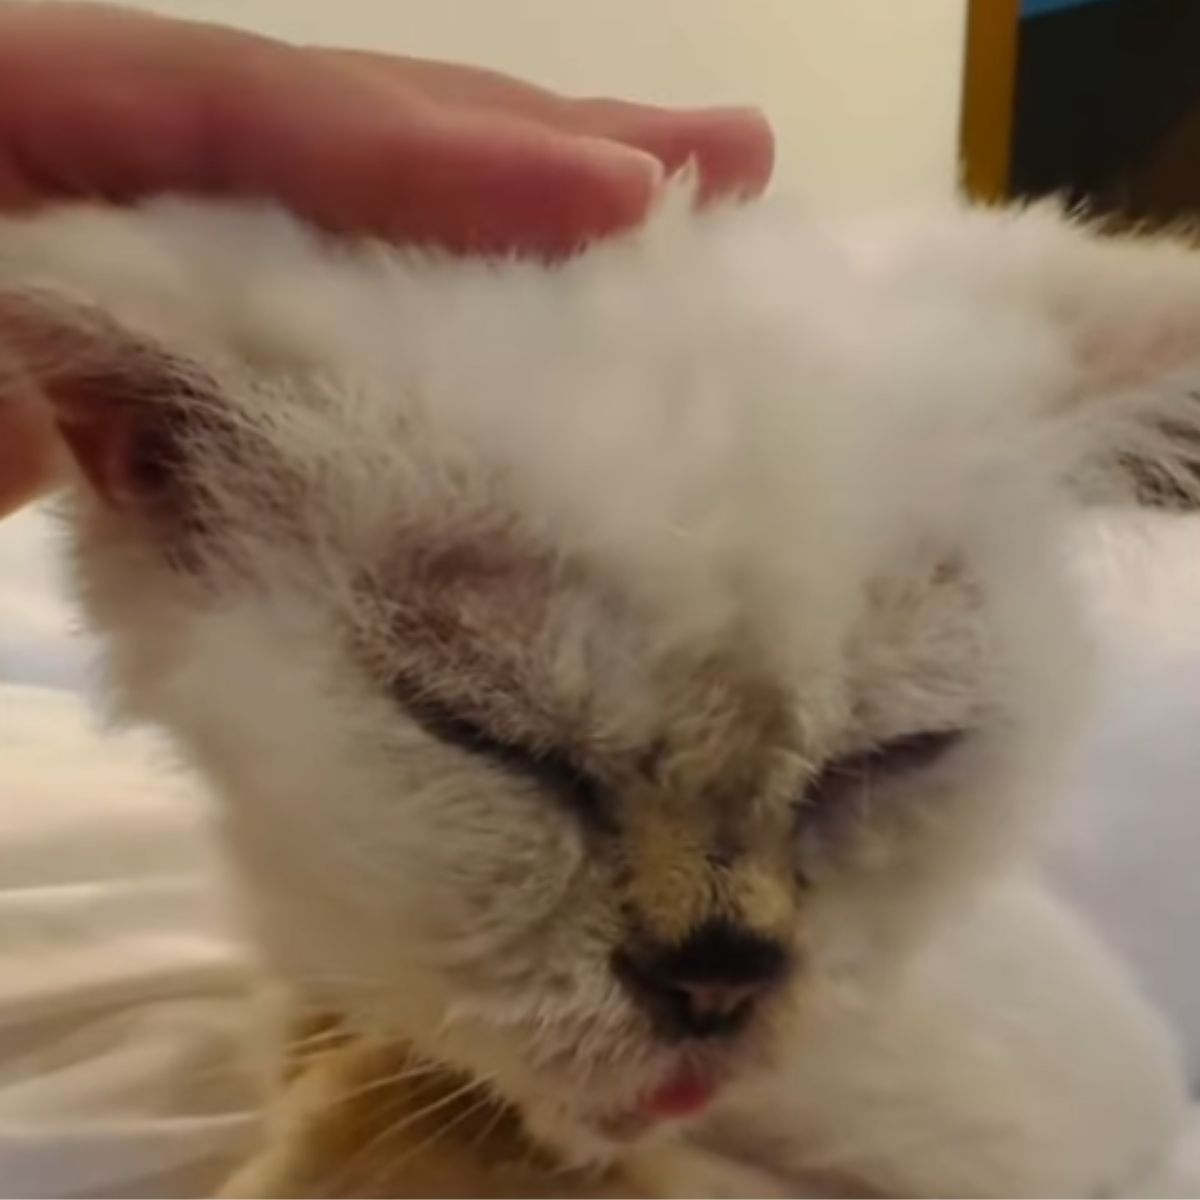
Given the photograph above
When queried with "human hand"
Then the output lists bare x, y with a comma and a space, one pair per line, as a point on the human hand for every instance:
102, 103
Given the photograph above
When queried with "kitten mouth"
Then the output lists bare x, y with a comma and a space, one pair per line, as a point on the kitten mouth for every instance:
684, 1093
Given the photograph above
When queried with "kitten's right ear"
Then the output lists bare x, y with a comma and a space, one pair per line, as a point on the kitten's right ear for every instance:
128, 411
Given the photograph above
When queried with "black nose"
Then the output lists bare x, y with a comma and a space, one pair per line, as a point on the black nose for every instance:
705, 986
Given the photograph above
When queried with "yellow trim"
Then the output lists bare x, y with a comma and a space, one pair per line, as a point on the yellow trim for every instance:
989, 84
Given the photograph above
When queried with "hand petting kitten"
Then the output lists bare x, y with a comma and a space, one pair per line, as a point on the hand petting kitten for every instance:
97, 102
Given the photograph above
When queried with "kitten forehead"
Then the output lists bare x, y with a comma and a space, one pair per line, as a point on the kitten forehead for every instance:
558, 498
544, 654
725, 387
541, 655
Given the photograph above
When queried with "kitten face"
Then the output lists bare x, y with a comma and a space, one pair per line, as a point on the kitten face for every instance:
500, 809
593, 665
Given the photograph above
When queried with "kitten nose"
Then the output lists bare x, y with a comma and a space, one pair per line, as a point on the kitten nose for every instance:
707, 985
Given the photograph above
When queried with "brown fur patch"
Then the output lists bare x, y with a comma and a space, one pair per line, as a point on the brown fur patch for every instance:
366, 1119
706, 839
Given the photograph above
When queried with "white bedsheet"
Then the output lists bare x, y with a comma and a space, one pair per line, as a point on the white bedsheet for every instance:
122, 993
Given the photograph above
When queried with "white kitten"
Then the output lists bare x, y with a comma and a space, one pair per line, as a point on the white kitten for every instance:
625, 680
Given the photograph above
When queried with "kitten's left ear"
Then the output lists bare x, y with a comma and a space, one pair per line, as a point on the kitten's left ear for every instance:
127, 409
1127, 310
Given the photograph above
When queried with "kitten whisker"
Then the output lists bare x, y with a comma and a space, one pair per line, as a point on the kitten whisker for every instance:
471, 1110
385, 1081
406, 1121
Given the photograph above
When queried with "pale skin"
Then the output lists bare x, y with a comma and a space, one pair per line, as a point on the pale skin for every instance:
107, 104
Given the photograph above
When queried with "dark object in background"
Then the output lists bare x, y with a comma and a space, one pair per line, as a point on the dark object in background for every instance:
1102, 99
1108, 107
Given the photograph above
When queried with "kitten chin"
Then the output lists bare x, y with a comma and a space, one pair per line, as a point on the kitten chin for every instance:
358, 1117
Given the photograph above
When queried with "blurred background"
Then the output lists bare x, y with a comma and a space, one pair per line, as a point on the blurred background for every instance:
1097, 100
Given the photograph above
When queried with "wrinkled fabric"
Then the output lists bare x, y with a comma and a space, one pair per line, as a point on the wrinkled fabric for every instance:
124, 1018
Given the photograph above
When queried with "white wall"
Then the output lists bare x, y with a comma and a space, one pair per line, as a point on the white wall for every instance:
864, 94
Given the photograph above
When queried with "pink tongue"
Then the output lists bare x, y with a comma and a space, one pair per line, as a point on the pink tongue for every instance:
683, 1094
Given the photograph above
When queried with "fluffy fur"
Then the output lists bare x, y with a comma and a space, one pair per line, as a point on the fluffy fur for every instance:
698, 513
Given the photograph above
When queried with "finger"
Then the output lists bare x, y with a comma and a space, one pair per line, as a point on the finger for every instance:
461, 84
368, 157
732, 149
157, 106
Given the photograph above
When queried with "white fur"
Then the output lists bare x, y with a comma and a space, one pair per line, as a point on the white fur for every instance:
855, 448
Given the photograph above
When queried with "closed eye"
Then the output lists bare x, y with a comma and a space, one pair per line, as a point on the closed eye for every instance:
894, 759
546, 766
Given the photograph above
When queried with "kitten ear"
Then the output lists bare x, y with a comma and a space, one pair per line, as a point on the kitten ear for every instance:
1127, 309
125, 407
